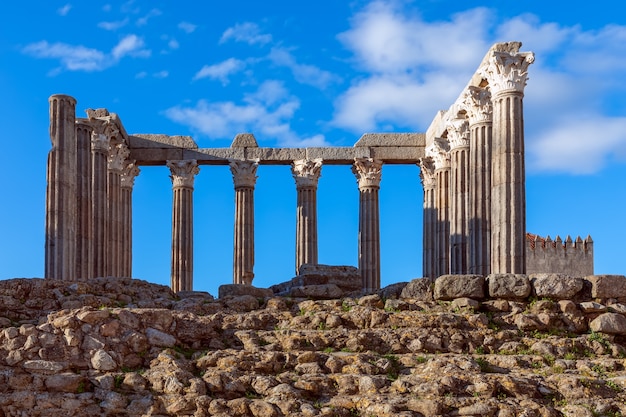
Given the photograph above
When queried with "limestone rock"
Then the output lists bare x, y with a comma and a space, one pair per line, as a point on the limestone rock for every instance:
241, 289
557, 286
419, 289
449, 287
607, 286
509, 286
611, 323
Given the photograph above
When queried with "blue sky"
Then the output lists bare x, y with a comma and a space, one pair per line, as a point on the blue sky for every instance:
310, 74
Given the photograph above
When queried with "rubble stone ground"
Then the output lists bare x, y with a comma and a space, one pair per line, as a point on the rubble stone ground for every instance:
122, 347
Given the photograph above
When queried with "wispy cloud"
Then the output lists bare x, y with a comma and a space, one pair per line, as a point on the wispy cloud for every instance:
131, 45
81, 58
114, 25
187, 27
142, 21
267, 112
303, 73
248, 32
220, 71
63, 11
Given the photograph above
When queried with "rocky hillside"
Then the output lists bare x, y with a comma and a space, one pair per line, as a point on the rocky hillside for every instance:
509, 345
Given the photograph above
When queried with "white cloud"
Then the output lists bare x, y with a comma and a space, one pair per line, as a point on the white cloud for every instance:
131, 45
73, 58
220, 71
63, 11
81, 58
173, 44
113, 26
161, 74
578, 145
305, 74
187, 27
142, 21
266, 112
248, 32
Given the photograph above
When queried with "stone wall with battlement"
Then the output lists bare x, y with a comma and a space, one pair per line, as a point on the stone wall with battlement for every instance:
571, 257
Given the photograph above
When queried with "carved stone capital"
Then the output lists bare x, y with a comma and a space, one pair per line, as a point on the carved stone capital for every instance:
439, 151
183, 172
458, 133
427, 172
99, 142
368, 172
244, 172
129, 173
306, 172
112, 131
507, 71
477, 103
117, 157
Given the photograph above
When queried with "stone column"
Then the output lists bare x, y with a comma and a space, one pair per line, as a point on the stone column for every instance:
98, 247
440, 152
477, 103
60, 239
506, 73
458, 138
306, 173
182, 176
127, 182
429, 182
244, 178
83, 200
368, 175
117, 162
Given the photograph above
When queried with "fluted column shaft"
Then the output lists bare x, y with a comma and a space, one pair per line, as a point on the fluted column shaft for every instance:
99, 173
117, 157
60, 239
306, 174
368, 174
182, 176
244, 178
506, 72
439, 151
458, 137
427, 176
477, 101
83, 201
126, 215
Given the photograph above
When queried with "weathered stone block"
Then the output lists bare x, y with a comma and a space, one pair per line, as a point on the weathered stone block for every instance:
558, 286
159, 338
419, 289
607, 286
449, 287
509, 286
324, 291
611, 323
241, 289
65, 382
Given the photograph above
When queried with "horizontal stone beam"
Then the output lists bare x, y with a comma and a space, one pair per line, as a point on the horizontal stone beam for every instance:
278, 156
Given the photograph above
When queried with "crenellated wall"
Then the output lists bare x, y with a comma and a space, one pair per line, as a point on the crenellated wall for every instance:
571, 257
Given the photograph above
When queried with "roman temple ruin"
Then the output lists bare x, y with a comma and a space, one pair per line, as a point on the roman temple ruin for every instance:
471, 162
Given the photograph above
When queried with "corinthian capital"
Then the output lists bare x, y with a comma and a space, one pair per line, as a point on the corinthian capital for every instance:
458, 133
427, 172
368, 172
99, 141
244, 172
183, 172
439, 151
507, 71
477, 103
306, 172
117, 157
128, 175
